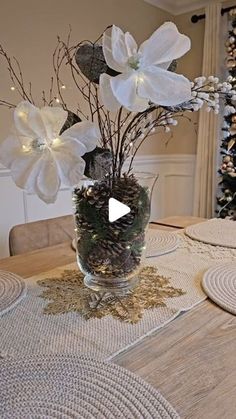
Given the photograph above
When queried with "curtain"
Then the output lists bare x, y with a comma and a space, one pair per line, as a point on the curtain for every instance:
208, 128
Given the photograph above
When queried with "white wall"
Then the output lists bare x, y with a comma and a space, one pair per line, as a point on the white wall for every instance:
172, 195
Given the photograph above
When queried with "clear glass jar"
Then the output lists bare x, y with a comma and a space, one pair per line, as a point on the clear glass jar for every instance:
110, 254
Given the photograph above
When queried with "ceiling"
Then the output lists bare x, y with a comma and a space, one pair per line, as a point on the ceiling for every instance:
177, 7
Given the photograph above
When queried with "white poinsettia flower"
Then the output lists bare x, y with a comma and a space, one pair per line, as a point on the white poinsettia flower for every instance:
144, 76
39, 158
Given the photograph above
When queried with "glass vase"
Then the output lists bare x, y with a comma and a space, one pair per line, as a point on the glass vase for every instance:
110, 254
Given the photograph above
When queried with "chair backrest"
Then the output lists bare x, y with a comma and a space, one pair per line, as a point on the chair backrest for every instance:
38, 234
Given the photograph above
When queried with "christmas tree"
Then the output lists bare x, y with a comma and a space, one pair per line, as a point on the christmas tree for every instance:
227, 200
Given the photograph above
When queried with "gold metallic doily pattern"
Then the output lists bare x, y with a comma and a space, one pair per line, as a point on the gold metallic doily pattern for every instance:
67, 293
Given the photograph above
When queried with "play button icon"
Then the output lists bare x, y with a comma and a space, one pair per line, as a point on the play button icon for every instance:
117, 209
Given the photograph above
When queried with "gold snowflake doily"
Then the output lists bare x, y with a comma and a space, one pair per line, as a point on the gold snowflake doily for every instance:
67, 293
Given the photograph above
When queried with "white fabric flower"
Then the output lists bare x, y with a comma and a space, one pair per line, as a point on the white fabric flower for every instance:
38, 157
144, 77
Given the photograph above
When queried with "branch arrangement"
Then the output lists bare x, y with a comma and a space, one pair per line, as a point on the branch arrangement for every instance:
125, 94
128, 93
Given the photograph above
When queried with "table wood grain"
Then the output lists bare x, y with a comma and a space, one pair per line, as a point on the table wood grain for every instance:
178, 221
191, 361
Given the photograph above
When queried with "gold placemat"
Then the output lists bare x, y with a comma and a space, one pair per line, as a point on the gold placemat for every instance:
67, 293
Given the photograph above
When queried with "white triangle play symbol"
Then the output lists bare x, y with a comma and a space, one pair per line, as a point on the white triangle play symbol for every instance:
117, 209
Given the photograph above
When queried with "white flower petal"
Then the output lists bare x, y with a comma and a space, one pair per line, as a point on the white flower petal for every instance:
28, 121
131, 45
69, 146
106, 94
36, 173
10, 149
54, 119
85, 132
118, 45
165, 44
117, 49
77, 172
24, 170
124, 88
107, 51
70, 166
165, 65
47, 181
164, 87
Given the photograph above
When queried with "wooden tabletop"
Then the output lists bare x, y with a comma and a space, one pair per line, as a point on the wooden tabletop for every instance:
191, 360
178, 221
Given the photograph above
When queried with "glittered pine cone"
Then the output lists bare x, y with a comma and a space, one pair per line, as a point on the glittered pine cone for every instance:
98, 194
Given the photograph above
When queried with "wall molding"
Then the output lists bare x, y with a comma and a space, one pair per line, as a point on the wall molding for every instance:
172, 194
144, 158
178, 7
165, 158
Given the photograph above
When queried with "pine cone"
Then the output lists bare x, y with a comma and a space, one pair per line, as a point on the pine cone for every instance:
127, 190
111, 259
78, 196
82, 224
97, 194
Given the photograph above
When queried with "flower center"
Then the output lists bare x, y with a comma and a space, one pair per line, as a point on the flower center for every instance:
134, 62
40, 144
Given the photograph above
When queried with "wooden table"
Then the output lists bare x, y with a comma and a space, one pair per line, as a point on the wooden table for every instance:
192, 360
177, 221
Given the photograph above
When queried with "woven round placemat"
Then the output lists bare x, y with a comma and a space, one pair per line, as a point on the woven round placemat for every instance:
217, 232
158, 243
76, 387
219, 283
12, 290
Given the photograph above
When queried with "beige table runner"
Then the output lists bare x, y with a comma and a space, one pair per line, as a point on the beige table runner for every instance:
26, 330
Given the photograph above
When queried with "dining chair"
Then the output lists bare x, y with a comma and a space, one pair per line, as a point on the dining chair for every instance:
38, 234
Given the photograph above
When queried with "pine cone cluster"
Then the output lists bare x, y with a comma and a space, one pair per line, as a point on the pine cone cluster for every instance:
112, 262
111, 249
